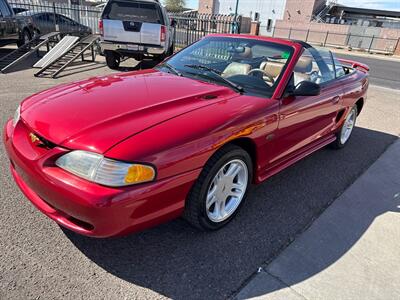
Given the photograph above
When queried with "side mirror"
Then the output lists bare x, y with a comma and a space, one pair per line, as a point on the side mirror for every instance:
306, 88
173, 22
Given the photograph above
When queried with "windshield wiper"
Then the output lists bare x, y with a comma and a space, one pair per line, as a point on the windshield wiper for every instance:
171, 68
217, 74
201, 67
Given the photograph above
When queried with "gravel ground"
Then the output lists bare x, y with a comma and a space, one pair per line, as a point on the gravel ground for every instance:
38, 259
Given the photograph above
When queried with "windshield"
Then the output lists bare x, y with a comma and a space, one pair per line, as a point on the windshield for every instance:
242, 64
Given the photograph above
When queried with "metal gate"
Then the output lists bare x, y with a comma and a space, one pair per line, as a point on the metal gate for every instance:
190, 28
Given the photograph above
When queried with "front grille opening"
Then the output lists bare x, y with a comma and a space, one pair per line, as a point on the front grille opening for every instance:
81, 223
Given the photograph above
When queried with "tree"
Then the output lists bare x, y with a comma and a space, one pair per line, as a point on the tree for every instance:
175, 5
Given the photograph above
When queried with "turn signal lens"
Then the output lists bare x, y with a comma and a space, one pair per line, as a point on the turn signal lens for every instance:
139, 173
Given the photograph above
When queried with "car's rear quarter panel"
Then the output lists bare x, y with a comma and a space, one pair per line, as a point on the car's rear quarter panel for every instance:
355, 87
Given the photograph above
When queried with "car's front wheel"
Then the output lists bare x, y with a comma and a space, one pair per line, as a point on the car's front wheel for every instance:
344, 134
220, 189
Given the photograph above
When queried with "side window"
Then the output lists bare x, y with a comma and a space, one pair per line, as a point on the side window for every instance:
338, 67
313, 65
306, 69
325, 60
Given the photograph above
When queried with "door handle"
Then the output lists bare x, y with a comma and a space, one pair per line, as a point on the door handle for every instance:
335, 100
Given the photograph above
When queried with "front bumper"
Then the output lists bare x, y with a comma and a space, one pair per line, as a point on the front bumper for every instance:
132, 48
85, 207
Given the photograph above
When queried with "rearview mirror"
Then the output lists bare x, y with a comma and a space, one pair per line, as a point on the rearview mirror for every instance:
307, 88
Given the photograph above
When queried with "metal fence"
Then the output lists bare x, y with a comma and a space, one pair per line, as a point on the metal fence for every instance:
189, 29
368, 43
85, 15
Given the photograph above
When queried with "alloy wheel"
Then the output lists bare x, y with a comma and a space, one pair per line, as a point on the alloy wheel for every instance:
226, 190
348, 126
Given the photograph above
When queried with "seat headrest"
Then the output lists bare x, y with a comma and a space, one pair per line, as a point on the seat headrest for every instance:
235, 68
247, 53
273, 68
304, 65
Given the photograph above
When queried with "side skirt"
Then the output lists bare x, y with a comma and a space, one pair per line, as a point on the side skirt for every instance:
295, 158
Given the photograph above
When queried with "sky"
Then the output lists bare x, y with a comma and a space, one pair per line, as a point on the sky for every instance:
375, 4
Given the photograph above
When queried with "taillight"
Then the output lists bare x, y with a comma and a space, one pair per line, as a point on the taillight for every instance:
163, 33
101, 28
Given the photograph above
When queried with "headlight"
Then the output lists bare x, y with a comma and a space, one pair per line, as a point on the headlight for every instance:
17, 115
94, 167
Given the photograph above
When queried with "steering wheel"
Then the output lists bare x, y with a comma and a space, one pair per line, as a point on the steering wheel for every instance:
269, 77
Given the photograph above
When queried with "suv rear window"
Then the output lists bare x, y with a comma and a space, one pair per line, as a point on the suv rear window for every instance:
133, 11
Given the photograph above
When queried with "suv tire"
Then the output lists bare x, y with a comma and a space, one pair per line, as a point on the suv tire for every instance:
113, 59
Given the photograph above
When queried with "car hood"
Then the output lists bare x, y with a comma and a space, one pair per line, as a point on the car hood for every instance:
97, 113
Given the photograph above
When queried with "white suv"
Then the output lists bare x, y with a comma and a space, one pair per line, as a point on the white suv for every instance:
135, 28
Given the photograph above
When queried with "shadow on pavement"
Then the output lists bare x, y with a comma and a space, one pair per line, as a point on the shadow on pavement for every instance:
132, 65
179, 262
81, 67
27, 63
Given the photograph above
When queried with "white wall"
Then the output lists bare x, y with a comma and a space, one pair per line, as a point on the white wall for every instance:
268, 9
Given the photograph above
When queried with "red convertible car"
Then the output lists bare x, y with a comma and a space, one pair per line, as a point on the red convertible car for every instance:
111, 155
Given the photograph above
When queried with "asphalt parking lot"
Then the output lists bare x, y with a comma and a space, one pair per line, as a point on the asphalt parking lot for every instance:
38, 259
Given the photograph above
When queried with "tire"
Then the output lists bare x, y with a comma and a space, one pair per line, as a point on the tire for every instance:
25, 38
113, 59
342, 137
170, 50
206, 217
160, 58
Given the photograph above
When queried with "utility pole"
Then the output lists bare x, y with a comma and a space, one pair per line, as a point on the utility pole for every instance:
235, 26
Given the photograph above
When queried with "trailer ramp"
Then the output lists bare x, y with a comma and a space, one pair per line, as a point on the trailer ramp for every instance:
75, 52
20, 54
58, 50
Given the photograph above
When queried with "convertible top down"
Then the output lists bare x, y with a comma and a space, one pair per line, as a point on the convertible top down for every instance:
116, 154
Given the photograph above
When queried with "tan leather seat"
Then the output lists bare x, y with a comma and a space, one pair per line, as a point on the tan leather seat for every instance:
235, 68
273, 68
302, 70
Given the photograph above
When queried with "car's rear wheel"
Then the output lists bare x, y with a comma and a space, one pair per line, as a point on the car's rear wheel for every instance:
113, 59
344, 134
220, 189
